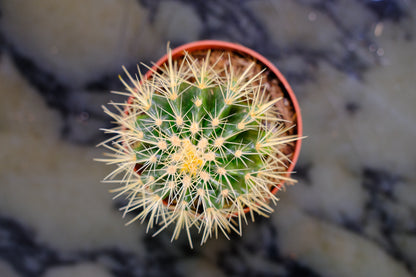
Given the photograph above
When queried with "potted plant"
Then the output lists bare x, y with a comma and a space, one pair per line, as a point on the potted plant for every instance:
210, 133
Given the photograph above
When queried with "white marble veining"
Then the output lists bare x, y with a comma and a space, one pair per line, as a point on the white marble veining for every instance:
79, 41
334, 250
50, 185
352, 67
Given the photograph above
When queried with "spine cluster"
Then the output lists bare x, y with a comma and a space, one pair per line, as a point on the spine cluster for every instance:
197, 147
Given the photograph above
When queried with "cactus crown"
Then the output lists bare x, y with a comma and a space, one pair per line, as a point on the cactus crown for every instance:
196, 146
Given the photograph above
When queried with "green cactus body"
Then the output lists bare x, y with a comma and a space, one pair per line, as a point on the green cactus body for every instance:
196, 147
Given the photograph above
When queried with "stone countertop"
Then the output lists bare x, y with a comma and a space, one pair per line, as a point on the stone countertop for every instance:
352, 66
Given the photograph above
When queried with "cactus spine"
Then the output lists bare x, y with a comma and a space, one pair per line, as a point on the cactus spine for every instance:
197, 147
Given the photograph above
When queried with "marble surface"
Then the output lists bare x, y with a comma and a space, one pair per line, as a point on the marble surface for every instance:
352, 65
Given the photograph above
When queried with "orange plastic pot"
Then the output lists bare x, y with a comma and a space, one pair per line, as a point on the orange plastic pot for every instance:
237, 48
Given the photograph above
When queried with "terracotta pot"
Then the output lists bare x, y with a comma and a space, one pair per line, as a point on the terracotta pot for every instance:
228, 46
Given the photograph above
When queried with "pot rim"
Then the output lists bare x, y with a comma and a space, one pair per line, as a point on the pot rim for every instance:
217, 44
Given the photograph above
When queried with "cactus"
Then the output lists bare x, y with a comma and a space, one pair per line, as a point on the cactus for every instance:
195, 146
